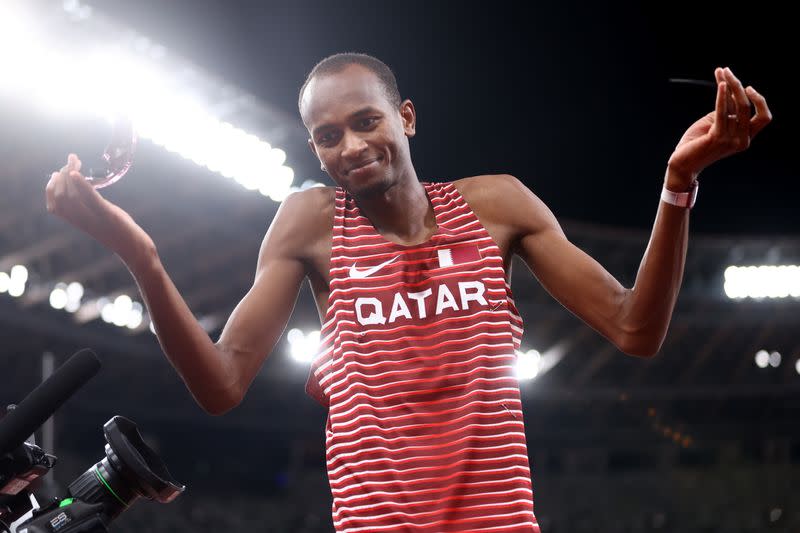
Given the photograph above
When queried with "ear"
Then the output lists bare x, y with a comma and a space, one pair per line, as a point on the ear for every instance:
409, 117
312, 148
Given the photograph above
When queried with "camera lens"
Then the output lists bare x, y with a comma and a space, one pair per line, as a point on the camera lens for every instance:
130, 470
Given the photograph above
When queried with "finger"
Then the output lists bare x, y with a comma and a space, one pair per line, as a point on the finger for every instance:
731, 101
763, 115
74, 185
48, 192
742, 105
81, 187
721, 108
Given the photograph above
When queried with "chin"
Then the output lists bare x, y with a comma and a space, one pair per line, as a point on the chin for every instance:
374, 184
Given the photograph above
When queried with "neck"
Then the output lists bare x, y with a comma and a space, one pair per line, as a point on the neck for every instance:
402, 212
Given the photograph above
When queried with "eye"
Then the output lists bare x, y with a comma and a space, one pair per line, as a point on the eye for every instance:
367, 122
325, 138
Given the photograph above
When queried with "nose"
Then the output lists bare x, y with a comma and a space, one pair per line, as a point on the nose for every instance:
352, 145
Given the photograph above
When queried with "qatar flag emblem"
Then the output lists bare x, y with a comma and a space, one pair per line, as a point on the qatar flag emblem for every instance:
458, 255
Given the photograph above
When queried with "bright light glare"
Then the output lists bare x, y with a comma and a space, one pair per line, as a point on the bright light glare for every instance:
19, 274
762, 358
122, 312
527, 367
75, 291
766, 281
162, 108
303, 347
16, 289
58, 298
21, 49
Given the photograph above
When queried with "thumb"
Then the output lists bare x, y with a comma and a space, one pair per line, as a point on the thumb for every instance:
73, 162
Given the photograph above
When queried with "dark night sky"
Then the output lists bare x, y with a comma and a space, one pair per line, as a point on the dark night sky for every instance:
571, 98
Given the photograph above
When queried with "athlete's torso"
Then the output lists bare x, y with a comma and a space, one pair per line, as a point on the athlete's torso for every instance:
417, 368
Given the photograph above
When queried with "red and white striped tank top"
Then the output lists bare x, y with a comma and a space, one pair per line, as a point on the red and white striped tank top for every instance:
416, 366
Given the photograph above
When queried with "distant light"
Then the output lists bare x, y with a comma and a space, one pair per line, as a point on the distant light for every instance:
278, 183
766, 281
58, 298
15, 284
797, 366
134, 319
762, 358
5, 282
303, 347
19, 273
527, 366
16, 289
295, 335
75, 291
123, 303
775, 359
107, 313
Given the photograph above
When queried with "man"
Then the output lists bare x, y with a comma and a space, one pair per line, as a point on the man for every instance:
425, 425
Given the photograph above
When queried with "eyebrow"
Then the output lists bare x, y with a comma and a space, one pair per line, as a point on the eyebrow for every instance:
360, 113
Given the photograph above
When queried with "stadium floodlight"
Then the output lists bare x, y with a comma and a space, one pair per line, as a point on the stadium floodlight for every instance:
762, 359
169, 102
58, 297
766, 281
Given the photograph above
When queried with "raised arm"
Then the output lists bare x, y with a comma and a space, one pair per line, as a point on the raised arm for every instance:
218, 374
634, 319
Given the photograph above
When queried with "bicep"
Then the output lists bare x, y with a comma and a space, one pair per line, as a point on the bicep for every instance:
576, 280
569, 274
259, 319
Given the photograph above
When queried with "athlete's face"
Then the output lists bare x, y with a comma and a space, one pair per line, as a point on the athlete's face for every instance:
357, 134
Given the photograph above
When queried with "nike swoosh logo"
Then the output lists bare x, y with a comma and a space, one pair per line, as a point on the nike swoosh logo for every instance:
359, 274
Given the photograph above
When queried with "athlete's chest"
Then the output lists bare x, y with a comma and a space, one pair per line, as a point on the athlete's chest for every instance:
353, 256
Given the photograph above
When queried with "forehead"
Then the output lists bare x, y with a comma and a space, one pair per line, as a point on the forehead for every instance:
333, 97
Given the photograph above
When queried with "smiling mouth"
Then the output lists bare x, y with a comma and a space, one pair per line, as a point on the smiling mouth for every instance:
363, 164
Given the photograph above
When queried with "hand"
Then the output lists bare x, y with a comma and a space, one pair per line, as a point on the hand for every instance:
73, 199
728, 129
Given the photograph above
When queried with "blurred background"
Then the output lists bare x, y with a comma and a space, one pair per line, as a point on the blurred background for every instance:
575, 99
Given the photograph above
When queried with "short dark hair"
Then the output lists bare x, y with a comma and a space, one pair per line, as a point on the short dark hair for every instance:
338, 62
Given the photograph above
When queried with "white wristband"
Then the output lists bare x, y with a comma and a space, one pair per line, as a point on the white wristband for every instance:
681, 199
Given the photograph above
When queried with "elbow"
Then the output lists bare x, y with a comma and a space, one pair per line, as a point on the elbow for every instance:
640, 335
218, 404
644, 346
226, 393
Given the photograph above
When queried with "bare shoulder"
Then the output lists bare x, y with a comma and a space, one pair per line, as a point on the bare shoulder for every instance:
487, 188
303, 222
502, 199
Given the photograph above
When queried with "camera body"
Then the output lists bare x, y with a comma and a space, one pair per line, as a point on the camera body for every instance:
130, 470
67, 516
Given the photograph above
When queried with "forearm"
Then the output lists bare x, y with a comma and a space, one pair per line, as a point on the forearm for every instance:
649, 304
204, 368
